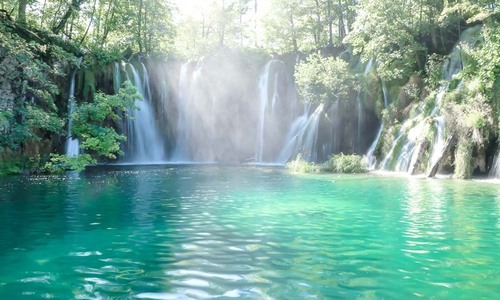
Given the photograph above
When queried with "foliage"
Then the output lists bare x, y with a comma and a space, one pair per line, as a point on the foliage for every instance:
433, 70
58, 163
90, 121
337, 163
28, 86
342, 163
463, 157
386, 30
293, 25
10, 167
219, 24
298, 165
50, 164
485, 58
323, 79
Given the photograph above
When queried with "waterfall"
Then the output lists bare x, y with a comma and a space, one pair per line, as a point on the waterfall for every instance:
117, 80
359, 108
439, 141
386, 94
416, 128
495, 168
187, 83
384, 165
263, 97
302, 136
144, 139
280, 128
372, 160
72, 144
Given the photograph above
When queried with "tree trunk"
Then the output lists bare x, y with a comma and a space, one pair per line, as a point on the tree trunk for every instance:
104, 36
330, 23
139, 22
294, 36
21, 12
446, 148
417, 157
317, 34
90, 23
147, 46
341, 22
75, 6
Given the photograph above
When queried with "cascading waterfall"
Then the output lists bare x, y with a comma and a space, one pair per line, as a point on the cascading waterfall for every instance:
359, 108
386, 93
415, 128
439, 141
495, 169
263, 96
117, 80
144, 140
372, 160
188, 82
302, 136
72, 144
276, 110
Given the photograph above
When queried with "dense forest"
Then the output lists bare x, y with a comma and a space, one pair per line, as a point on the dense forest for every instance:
420, 78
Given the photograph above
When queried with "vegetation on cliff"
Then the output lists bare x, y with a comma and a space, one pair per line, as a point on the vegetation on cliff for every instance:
407, 45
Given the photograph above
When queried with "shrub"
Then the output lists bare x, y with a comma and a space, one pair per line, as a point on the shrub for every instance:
341, 163
299, 165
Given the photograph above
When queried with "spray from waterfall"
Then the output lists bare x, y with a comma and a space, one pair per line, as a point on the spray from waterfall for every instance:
372, 160
72, 144
415, 128
495, 169
302, 136
264, 99
144, 140
181, 151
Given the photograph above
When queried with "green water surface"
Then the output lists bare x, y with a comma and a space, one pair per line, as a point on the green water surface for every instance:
197, 232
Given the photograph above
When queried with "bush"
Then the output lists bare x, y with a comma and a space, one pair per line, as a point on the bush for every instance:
301, 166
341, 163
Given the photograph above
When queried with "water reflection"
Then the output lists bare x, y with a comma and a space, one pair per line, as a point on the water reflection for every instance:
210, 231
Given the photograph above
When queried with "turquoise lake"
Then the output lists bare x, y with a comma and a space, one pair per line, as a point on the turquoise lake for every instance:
208, 231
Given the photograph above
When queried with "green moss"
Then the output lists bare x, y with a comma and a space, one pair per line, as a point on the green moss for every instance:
341, 163
89, 84
463, 160
298, 165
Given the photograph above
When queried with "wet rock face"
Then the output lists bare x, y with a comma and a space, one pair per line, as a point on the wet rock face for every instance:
9, 77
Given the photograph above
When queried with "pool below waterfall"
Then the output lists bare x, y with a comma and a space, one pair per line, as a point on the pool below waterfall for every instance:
209, 231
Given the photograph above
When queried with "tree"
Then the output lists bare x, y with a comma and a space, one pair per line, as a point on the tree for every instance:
323, 79
386, 31
91, 121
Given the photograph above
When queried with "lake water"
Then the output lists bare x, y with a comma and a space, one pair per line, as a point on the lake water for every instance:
196, 232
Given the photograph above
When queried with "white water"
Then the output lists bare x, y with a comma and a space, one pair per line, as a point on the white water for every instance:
386, 94
439, 141
384, 165
359, 108
117, 81
72, 144
181, 151
495, 169
414, 128
302, 136
263, 100
372, 160
144, 139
